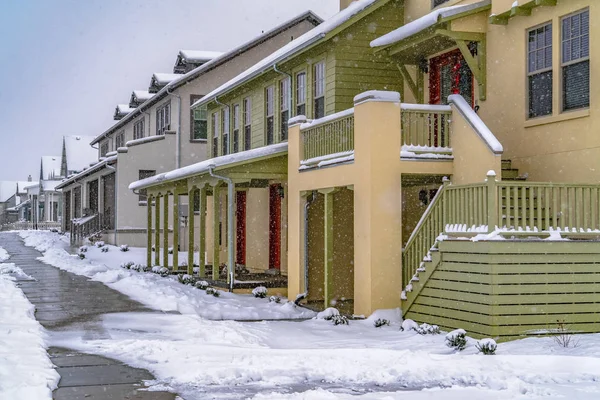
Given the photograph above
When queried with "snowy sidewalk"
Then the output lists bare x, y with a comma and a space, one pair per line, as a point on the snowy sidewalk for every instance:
68, 301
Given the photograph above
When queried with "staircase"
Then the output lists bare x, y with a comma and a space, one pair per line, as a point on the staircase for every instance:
511, 174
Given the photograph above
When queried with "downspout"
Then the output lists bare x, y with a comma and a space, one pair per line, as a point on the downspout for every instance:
116, 197
230, 200
289, 99
309, 200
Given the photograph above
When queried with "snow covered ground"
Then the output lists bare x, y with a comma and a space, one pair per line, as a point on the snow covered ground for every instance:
26, 371
200, 356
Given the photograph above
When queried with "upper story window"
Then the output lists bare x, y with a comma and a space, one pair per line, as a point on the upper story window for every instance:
270, 112
120, 140
163, 119
143, 195
138, 129
575, 61
247, 123
435, 3
104, 148
236, 128
539, 70
301, 93
215, 130
200, 123
225, 130
284, 106
319, 90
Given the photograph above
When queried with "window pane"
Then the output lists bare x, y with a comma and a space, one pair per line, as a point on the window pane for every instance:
566, 51
540, 94
539, 55
576, 86
566, 28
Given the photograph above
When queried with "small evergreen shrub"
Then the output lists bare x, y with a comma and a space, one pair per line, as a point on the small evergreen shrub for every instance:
328, 314
146, 268
275, 299
156, 269
186, 279
457, 339
164, 272
81, 256
426, 329
260, 292
104, 249
83, 249
202, 285
409, 325
381, 322
124, 247
487, 346
128, 265
170, 250
137, 267
339, 320
99, 244
213, 291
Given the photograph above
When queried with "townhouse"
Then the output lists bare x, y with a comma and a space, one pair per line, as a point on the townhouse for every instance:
157, 132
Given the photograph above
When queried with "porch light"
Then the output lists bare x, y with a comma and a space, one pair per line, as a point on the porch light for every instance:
424, 65
280, 191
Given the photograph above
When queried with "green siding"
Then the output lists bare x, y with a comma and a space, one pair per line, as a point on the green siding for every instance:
510, 289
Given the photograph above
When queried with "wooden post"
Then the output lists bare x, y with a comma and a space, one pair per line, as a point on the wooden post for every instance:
157, 230
191, 214
445, 200
216, 232
492, 208
328, 248
202, 238
166, 230
149, 231
175, 231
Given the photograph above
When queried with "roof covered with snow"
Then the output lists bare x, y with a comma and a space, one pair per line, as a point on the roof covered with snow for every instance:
23, 185
290, 49
203, 166
88, 171
50, 168
214, 63
196, 56
79, 153
138, 97
122, 110
426, 21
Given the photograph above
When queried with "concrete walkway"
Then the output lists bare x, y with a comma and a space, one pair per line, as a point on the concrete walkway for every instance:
65, 301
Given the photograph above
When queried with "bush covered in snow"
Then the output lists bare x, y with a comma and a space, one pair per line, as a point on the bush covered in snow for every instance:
379, 322
487, 346
128, 265
164, 272
146, 268
426, 329
138, 268
339, 320
170, 250
275, 299
328, 314
213, 291
124, 247
409, 325
81, 255
260, 292
202, 285
186, 279
457, 339
83, 249
104, 249
99, 244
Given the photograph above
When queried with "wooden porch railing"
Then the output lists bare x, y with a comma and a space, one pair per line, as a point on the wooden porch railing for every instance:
330, 135
28, 226
426, 125
85, 227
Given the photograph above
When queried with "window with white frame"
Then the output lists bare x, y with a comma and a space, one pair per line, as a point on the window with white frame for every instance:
247, 123
215, 129
236, 128
104, 148
225, 130
138, 129
200, 123
163, 119
270, 112
319, 90
539, 70
284, 107
120, 140
301, 93
575, 60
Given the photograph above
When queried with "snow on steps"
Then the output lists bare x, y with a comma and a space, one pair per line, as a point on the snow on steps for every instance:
424, 272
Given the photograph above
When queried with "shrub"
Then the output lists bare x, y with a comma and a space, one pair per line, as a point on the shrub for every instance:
457, 339
170, 250
213, 291
426, 329
202, 285
328, 314
81, 256
83, 249
164, 272
260, 292
124, 247
381, 322
146, 268
409, 325
156, 269
137, 267
186, 279
339, 320
487, 346
99, 244
104, 249
275, 299
128, 265
563, 335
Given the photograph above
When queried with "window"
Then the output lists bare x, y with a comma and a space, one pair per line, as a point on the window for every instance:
120, 140
270, 111
435, 3
143, 194
247, 123
301, 93
319, 90
225, 130
236, 128
163, 119
284, 105
576, 61
200, 123
539, 71
215, 129
138, 129
104, 149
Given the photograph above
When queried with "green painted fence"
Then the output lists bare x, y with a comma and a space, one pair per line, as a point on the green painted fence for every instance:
331, 135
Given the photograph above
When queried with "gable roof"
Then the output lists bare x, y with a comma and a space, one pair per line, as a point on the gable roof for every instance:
212, 64
138, 97
161, 79
50, 167
122, 110
309, 38
78, 152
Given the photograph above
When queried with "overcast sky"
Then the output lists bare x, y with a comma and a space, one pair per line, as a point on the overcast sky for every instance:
65, 64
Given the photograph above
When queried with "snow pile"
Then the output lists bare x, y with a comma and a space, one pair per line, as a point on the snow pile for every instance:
25, 368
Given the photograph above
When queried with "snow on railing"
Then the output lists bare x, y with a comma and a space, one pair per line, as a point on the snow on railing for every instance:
330, 135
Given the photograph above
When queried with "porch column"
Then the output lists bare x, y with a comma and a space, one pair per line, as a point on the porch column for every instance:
216, 232
157, 230
202, 238
166, 230
191, 222
175, 231
149, 231
328, 247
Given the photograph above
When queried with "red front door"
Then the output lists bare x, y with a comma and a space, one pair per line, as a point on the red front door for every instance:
275, 226
449, 74
240, 217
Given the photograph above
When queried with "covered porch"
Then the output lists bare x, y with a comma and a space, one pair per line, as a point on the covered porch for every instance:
233, 212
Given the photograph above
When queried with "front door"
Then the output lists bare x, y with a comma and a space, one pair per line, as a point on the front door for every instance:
275, 226
450, 74
240, 217
109, 201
